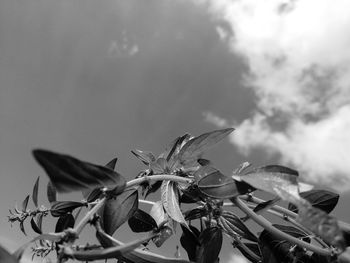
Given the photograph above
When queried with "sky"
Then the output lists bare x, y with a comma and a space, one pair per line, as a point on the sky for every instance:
96, 79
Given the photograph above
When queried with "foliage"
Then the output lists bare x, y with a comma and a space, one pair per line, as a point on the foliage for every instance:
184, 179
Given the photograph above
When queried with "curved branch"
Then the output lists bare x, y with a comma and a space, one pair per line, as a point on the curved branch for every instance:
268, 226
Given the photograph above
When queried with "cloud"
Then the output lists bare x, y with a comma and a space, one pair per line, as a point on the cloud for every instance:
298, 56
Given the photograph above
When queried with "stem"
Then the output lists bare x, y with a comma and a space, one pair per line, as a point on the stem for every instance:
88, 215
268, 226
158, 177
248, 251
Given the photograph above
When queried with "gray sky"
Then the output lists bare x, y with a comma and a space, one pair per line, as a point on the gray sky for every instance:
96, 79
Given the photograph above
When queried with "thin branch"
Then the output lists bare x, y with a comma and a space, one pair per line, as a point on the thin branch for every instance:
268, 226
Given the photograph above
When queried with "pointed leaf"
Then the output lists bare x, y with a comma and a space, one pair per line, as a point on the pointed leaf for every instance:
111, 164
51, 192
145, 156
213, 183
322, 199
189, 241
160, 166
60, 208
35, 227
196, 213
25, 204
141, 222
322, 224
70, 174
39, 221
170, 201
35, 192
6, 256
210, 245
237, 226
94, 194
196, 146
275, 179
191, 195
174, 147
265, 205
158, 213
118, 209
21, 226
254, 247
64, 222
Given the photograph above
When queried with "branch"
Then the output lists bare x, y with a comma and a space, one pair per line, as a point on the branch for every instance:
268, 226
158, 177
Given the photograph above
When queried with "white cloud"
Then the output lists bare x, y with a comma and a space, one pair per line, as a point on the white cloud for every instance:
299, 60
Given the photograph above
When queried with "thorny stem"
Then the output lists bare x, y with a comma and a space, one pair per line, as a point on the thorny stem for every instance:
268, 226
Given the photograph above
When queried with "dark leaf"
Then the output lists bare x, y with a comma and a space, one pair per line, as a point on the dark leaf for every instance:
316, 258
6, 257
170, 201
196, 146
145, 156
265, 205
210, 245
118, 209
141, 222
254, 247
64, 222
94, 194
204, 162
275, 250
51, 192
21, 226
25, 204
213, 183
35, 192
196, 213
236, 225
322, 224
35, 227
60, 208
191, 195
275, 179
111, 164
70, 174
189, 241
39, 221
322, 199
346, 235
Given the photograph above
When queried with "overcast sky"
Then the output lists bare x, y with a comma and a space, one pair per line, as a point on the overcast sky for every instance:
96, 79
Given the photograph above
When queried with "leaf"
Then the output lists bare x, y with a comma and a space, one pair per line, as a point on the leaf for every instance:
160, 166
233, 223
210, 245
25, 203
196, 146
174, 147
94, 194
322, 199
191, 195
60, 208
111, 164
275, 179
265, 205
51, 192
21, 226
165, 232
153, 188
213, 183
35, 192
158, 214
35, 227
118, 210
70, 174
141, 222
189, 241
6, 257
196, 213
64, 222
170, 201
276, 250
204, 162
321, 224
145, 156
